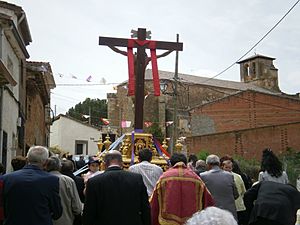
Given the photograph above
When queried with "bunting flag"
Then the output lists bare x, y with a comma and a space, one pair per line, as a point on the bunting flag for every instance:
148, 124
105, 121
102, 80
125, 123
89, 78
168, 123
74, 77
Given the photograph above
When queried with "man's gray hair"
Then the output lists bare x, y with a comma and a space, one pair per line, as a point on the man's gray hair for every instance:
37, 155
113, 155
213, 160
200, 164
53, 164
212, 216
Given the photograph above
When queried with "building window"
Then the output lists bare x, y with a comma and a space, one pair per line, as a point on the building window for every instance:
253, 69
81, 147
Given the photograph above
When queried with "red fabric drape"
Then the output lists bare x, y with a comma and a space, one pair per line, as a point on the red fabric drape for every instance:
130, 56
152, 46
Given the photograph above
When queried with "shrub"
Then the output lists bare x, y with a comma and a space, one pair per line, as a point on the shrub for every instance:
202, 154
249, 166
291, 164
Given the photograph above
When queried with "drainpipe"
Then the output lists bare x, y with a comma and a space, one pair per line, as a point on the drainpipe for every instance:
1, 110
1, 99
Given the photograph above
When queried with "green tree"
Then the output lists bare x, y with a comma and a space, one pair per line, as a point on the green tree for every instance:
156, 131
95, 108
291, 162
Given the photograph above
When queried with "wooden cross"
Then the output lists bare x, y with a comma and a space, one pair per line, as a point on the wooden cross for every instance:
140, 67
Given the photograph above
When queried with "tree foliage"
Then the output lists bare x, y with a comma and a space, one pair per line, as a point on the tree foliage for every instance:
291, 162
95, 108
156, 131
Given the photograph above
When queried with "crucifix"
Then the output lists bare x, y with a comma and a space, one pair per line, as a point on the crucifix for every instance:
137, 65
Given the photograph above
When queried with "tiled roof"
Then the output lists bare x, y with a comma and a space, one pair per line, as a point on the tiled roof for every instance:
185, 78
240, 92
75, 120
42, 67
256, 56
23, 24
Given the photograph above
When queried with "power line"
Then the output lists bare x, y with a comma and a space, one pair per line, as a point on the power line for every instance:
93, 84
254, 101
70, 99
227, 68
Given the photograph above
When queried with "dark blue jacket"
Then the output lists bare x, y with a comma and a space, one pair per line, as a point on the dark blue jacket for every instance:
31, 197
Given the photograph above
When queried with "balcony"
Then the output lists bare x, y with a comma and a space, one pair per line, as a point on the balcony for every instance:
5, 76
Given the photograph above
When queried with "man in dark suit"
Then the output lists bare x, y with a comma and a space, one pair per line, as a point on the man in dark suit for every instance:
272, 203
31, 195
116, 196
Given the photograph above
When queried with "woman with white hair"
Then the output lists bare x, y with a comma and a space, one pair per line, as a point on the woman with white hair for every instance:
212, 216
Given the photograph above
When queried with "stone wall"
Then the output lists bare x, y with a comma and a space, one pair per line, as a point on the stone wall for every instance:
161, 109
35, 128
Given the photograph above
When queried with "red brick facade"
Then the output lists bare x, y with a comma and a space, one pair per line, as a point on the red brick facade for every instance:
248, 109
248, 143
246, 123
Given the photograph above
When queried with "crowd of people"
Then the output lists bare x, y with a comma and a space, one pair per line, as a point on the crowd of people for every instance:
43, 190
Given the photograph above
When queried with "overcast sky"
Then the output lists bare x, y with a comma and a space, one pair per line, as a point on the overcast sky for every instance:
214, 35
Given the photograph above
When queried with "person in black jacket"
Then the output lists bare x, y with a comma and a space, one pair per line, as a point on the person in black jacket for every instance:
116, 196
67, 168
272, 203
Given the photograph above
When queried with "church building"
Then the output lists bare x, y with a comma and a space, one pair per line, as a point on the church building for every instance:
218, 116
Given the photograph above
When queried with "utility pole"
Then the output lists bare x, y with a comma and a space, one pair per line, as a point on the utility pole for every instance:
90, 116
175, 99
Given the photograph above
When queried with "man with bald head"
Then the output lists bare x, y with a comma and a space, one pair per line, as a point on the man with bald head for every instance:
116, 196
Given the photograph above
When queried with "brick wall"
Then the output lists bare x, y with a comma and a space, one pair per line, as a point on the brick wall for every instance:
248, 143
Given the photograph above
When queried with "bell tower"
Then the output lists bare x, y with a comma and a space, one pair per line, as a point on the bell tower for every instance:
260, 70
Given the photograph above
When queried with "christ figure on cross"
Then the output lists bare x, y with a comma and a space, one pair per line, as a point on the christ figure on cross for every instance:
147, 58
137, 65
